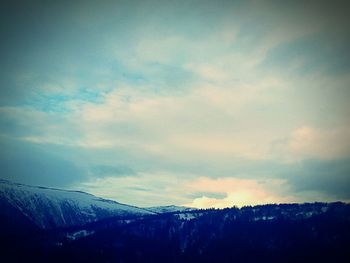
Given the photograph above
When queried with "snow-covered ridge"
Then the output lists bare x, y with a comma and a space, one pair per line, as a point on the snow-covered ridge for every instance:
51, 207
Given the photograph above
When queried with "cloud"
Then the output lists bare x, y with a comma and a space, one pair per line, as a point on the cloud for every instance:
32, 164
239, 192
141, 94
308, 142
111, 170
143, 189
164, 188
172, 188
138, 116
208, 72
324, 178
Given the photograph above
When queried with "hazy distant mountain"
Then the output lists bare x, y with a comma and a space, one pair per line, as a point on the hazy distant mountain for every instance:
169, 209
49, 207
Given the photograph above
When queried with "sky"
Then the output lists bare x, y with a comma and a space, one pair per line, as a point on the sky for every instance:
197, 103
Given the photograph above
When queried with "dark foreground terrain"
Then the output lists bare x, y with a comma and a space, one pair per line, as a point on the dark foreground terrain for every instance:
315, 232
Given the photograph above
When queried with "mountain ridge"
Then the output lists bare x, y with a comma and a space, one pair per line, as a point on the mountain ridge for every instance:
271, 233
52, 207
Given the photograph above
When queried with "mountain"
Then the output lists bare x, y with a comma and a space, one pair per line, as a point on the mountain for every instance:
169, 209
313, 232
39, 224
51, 208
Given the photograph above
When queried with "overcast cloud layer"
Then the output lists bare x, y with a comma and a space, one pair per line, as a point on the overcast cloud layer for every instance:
199, 103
